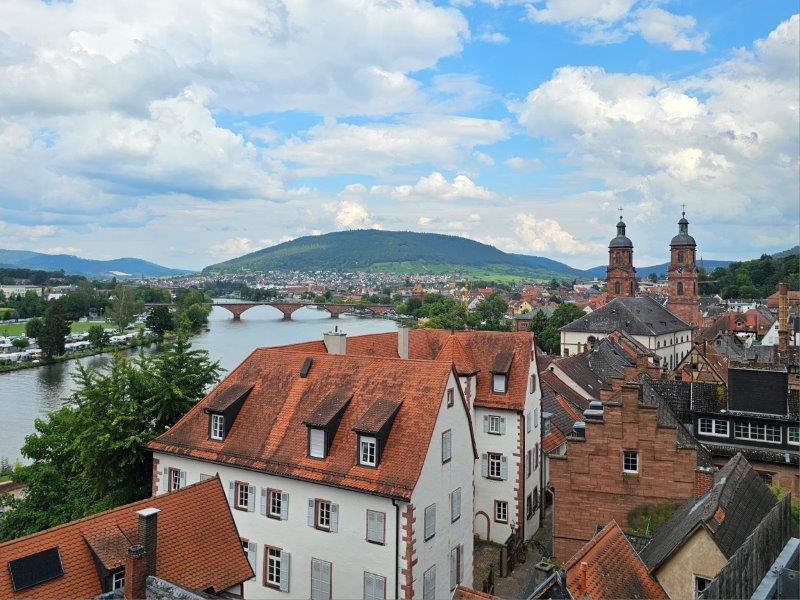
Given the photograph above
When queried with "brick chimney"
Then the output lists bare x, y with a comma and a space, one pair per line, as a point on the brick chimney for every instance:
335, 341
703, 481
148, 536
402, 340
135, 573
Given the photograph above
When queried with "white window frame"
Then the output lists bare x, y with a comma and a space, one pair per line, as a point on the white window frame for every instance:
499, 383
312, 432
757, 432
242, 495
273, 557
322, 516
716, 427
494, 424
174, 479
273, 496
118, 579
501, 511
217, 426
793, 435
627, 456
455, 505
697, 578
380, 523
367, 451
495, 464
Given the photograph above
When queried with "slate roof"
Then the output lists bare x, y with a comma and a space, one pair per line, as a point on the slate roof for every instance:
480, 347
198, 545
683, 396
551, 380
231, 394
563, 415
730, 511
578, 368
636, 316
269, 434
613, 569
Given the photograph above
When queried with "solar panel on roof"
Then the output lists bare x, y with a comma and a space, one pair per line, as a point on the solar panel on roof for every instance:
35, 569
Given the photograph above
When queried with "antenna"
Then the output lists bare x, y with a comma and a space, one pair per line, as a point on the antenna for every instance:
683, 211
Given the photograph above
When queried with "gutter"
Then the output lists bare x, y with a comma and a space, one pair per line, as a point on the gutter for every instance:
396, 548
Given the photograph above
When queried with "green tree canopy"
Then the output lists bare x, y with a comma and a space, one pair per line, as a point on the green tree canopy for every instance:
159, 320
55, 327
124, 307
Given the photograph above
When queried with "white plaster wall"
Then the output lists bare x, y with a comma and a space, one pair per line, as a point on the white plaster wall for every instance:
347, 549
533, 411
434, 485
664, 345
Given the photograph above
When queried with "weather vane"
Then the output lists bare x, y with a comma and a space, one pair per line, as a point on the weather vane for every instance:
683, 211
620, 213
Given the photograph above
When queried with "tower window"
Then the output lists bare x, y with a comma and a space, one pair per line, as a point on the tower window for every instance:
616, 258
616, 287
680, 288
680, 256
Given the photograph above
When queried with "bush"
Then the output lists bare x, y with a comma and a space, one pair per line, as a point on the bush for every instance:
645, 518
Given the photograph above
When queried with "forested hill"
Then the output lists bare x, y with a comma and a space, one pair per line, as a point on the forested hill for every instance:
74, 265
395, 252
754, 278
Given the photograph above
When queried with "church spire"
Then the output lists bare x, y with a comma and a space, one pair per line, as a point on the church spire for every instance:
620, 275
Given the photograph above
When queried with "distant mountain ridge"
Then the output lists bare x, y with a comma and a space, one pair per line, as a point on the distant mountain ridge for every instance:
395, 252
75, 265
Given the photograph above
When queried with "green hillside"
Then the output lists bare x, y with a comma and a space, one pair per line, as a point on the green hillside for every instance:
74, 265
403, 252
754, 278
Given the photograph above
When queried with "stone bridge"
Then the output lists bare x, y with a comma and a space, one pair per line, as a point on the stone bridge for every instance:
288, 308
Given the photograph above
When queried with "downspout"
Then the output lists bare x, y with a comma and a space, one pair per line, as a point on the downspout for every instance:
396, 548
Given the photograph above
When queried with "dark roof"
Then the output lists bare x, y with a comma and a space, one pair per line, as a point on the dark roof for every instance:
327, 410
228, 396
502, 362
620, 241
730, 511
552, 380
377, 416
561, 417
578, 369
607, 359
636, 316
685, 396
683, 239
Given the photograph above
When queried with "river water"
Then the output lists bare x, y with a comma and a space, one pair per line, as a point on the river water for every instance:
29, 394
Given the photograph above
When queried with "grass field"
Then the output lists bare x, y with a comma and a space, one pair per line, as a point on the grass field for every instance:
12, 329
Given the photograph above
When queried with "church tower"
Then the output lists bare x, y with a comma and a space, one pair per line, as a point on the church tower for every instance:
683, 300
620, 275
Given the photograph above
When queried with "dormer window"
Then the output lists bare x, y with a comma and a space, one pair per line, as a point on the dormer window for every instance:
217, 426
316, 443
368, 451
500, 369
499, 383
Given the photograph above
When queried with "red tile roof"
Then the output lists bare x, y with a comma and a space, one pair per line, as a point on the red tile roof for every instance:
608, 567
553, 440
454, 351
198, 545
269, 435
481, 348
561, 389
465, 593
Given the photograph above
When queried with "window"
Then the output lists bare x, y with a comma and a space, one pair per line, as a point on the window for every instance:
275, 504
700, 585
546, 426
374, 586
680, 256
616, 287
217, 427
528, 420
429, 584
758, 432
533, 383
630, 461
430, 522
793, 435
323, 514
501, 511
766, 477
455, 505
451, 397
367, 453
456, 566
680, 288
316, 443
495, 466
272, 567
773, 433
529, 506
320, 579
118, 579
494, 424
177, 479
243, 496
712, 426
447, 446
528, 463
499, 383
536, 456
376, 527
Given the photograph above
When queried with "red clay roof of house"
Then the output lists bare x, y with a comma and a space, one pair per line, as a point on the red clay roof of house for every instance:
198, 545
553, 439
792, 296
454, 351
482, 347
613, 569
559, 388
269, 435
465, 593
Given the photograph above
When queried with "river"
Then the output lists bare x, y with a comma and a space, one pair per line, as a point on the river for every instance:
28, 394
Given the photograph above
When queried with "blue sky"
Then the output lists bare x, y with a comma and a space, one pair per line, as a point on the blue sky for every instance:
190, 132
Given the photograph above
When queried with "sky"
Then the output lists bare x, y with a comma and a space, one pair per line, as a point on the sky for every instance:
191, 131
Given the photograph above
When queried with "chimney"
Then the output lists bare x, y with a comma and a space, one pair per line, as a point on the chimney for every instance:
336, 341
584, 583
783, 316
148, 536
594, 412
135, 573
402, 340
703, 481
579, 429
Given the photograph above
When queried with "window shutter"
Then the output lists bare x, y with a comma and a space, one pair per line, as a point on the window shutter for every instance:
230, 492
317, 442
528, 421
252, 555
429, 584
251, 498
285, 565
447, 445
334, 518
263, 508
165, 480
183, 479
430, 521
461, 562
536, 456
284, 506
455, 501
310, 512
503, 467
486, 424
453, 569
380, 526
369, 586
485, 464
502, 425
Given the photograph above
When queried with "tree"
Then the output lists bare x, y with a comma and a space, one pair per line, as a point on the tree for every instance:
197, 316
490, 314
89, 455
55, 327
538, 323
652, 277
33, 328
159, 321
98, 336
20, 342
550, 338
124, 307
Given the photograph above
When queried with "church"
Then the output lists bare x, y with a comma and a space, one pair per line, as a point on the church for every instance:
667, 331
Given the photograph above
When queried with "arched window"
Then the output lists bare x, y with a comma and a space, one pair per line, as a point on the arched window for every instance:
616, 258
680, 255
680, 288
616, 287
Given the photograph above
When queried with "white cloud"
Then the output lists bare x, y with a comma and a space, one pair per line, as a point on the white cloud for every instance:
524, 163
61, 250
351, 214
375, 147
423, 221
483, 158
436, 187
492, 37
235, 246
547, 235
659, 26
